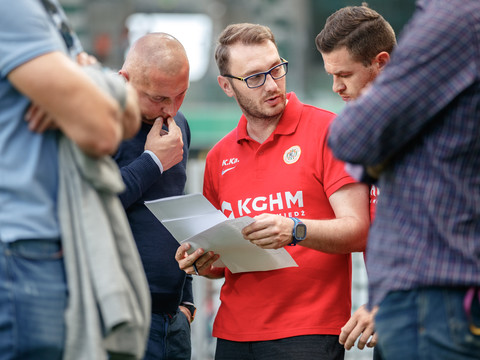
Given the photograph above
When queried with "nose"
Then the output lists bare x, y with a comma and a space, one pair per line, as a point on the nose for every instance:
270, 82
338, 85
169, 108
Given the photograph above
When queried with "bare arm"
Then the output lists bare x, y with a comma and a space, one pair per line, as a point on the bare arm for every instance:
82, 111
348, 231
344, 234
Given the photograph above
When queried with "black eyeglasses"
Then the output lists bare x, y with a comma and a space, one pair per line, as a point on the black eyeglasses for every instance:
256, 80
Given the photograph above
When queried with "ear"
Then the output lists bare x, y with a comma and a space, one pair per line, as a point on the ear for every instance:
382, 59
124, 73
225, 85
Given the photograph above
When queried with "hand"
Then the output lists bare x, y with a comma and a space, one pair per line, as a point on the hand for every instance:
203, 261
84, 59
167, 147
360, 326
269, 231
186, 312
39, 120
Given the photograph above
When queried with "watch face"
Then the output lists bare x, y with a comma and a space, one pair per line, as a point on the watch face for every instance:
301, 231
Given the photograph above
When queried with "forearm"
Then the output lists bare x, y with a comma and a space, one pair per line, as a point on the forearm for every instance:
86, 114
138, 177
187, 293
336, 236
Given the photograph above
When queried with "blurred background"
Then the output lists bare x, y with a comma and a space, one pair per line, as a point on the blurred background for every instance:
107, 27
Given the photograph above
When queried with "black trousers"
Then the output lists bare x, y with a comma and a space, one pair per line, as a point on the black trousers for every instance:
306, 347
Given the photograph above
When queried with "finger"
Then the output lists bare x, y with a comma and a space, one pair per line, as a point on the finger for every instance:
30, 112
350, 341
172, 125
158, 123
181, 251
38, 120
45, 124
254, 227
157, 127
349, 334
204, 263
366, 335
373, 341
269, 242
84, 59
170, 121
92, 60
347, 329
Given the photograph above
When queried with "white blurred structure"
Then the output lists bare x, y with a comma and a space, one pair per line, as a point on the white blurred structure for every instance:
194, 31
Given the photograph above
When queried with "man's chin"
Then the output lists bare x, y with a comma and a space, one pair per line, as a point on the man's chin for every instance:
148, 121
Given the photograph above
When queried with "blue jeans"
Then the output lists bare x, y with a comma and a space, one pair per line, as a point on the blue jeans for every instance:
169, 337
33, 297
427, 323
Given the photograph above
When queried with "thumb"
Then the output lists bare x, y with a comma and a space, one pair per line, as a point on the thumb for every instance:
157, 125
158, 122
170, 121
172, 125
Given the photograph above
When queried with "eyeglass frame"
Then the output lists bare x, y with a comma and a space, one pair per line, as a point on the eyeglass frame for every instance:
264, 73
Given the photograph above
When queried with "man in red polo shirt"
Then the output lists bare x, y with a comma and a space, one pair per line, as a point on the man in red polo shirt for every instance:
276, 167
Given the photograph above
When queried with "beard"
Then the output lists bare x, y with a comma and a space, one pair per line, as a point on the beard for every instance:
252, 107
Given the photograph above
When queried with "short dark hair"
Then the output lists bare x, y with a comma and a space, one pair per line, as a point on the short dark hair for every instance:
244, 33
363, 31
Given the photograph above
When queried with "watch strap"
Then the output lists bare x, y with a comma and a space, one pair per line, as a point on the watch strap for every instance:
295, 240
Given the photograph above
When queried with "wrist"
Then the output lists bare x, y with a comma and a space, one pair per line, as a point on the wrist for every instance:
299, 231
155, 159
191, 308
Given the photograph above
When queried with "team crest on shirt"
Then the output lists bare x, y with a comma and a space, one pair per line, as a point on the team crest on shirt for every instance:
292, 155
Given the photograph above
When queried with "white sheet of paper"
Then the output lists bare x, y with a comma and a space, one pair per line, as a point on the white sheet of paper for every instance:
193, 219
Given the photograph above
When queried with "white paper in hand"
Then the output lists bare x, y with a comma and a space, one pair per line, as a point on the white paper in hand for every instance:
193, 219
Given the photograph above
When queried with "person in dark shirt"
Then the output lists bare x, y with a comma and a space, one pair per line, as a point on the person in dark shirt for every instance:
355, 44
416, 130
153, 165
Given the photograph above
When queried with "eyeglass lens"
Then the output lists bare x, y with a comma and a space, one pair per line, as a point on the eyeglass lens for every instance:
276, 73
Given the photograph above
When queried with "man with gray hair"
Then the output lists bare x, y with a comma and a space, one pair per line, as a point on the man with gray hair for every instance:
153, 166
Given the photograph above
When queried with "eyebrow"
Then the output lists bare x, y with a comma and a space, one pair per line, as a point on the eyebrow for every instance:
339, 72
275, 63
162, 97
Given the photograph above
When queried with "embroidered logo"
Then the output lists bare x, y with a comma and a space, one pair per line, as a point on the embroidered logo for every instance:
292, 155
228, 169
229, 163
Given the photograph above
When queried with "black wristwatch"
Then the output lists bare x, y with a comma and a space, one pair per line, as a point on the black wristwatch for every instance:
192, 309
299, 232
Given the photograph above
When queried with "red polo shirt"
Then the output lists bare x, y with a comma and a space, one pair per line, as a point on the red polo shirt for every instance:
292, 173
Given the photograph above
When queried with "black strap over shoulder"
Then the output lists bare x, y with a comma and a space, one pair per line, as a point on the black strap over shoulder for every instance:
61, 22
